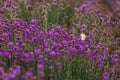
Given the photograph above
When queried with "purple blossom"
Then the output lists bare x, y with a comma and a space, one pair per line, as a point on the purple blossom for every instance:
112, 70
10, 46
59, 66
51, 68
7, 55
35, 21
1, 73
28, 75
72, 51
115, 59
105, 76
101, 61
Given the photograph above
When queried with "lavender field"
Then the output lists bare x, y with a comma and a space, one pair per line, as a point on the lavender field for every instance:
59, 39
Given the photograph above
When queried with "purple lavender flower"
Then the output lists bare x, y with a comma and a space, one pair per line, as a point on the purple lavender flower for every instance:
115, 59
7, 55
101, 61
40, 66
51, 68
28, 75
59, 66
10, 46
105, 76
33, 41
83, 28
66, 43
112, 70
38, 51
34, 21
3, 10
52, 53
72, 51
1, 73
9, 3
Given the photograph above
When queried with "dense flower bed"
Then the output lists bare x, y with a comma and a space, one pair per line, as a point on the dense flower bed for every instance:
69, 42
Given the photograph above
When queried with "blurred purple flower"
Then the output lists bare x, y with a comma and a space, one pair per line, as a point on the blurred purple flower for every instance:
115, 59
51, 68
72, 51
59, 66
105, 76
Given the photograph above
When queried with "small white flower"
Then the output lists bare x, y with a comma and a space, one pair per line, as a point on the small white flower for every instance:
83, 36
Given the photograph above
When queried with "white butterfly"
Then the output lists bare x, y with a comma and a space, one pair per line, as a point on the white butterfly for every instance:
83, 36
